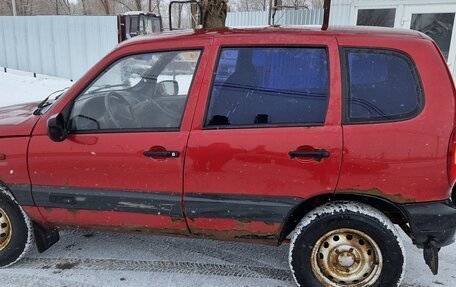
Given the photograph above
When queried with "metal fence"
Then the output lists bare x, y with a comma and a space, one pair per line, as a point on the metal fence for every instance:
286, 17
340, 15
61, 46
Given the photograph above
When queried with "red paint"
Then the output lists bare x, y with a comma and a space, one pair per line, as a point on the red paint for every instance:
124, 221
17, 120
408, 158
13, 170
34, 213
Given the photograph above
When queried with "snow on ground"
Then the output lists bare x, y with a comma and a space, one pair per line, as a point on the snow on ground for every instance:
18, 87
83, 258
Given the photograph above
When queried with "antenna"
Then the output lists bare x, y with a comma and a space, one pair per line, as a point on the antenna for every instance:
327, 8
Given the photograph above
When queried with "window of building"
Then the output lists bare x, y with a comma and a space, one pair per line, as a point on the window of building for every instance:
438, 26
376, 17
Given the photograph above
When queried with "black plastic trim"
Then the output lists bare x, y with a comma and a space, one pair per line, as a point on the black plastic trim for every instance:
22, 193
163, 203
431, 221
271, 209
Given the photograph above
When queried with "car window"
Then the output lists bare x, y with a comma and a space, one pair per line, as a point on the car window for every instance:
381, 86
146, 91
269, 86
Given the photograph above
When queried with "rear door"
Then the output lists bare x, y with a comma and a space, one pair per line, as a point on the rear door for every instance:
267, 137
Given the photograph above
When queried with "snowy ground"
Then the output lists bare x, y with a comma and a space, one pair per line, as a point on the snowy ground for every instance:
84, 258
21, 87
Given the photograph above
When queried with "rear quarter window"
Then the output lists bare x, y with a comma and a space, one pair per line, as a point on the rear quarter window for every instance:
380, 86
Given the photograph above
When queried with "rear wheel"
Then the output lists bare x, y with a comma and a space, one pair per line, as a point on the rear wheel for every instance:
346, 244
15, 230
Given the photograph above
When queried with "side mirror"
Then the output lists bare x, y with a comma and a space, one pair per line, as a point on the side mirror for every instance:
57, 130
168, 87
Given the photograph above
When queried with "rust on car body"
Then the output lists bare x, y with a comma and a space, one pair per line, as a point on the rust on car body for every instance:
397, 198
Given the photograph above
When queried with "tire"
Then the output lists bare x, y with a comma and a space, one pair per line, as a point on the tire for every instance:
346, 244
16, 231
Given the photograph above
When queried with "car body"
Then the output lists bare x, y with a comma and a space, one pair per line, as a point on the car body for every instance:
230, 174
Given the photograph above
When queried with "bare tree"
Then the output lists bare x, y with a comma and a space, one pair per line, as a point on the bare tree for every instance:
84, 7
138, 4
106, 6
309, 4
125, 4
249, 5
66, 4
157, 6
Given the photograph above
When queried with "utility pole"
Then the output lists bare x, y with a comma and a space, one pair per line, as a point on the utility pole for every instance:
270, 13
13, 2
57, 7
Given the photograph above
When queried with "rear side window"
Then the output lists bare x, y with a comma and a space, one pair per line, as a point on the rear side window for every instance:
269, 86
380, 86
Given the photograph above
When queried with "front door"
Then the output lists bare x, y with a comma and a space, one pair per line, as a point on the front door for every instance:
268, 138
122, 164
438, 22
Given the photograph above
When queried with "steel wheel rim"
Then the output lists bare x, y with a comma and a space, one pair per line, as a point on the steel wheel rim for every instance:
6, 230
346, 257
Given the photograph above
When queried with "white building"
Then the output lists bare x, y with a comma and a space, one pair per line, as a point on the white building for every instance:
435, 18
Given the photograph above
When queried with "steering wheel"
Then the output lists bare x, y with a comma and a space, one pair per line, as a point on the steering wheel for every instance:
172, 113
120, 111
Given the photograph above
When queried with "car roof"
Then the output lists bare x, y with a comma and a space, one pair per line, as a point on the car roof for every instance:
337, 31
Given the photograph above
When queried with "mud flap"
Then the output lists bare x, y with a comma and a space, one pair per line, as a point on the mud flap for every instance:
431, 257
44, 237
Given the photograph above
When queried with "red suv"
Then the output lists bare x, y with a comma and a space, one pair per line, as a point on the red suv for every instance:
325, 139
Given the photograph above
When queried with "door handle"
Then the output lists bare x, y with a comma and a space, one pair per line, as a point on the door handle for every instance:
161, 154
316, 154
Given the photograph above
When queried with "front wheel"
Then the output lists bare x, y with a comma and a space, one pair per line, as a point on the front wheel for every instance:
16, 232
345, 244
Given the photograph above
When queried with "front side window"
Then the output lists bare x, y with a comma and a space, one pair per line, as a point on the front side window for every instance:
146, 91
380, 86
269, 86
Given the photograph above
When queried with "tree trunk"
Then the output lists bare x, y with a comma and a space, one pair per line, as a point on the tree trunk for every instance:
194, 10
278, 3
84, 7
106, 6
158, 7
214, 12
138, 5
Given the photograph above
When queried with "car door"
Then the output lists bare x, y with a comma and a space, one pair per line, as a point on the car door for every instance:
268, 137
121, 166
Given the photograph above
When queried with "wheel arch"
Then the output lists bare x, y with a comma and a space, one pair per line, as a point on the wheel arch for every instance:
388, 208
44, 234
